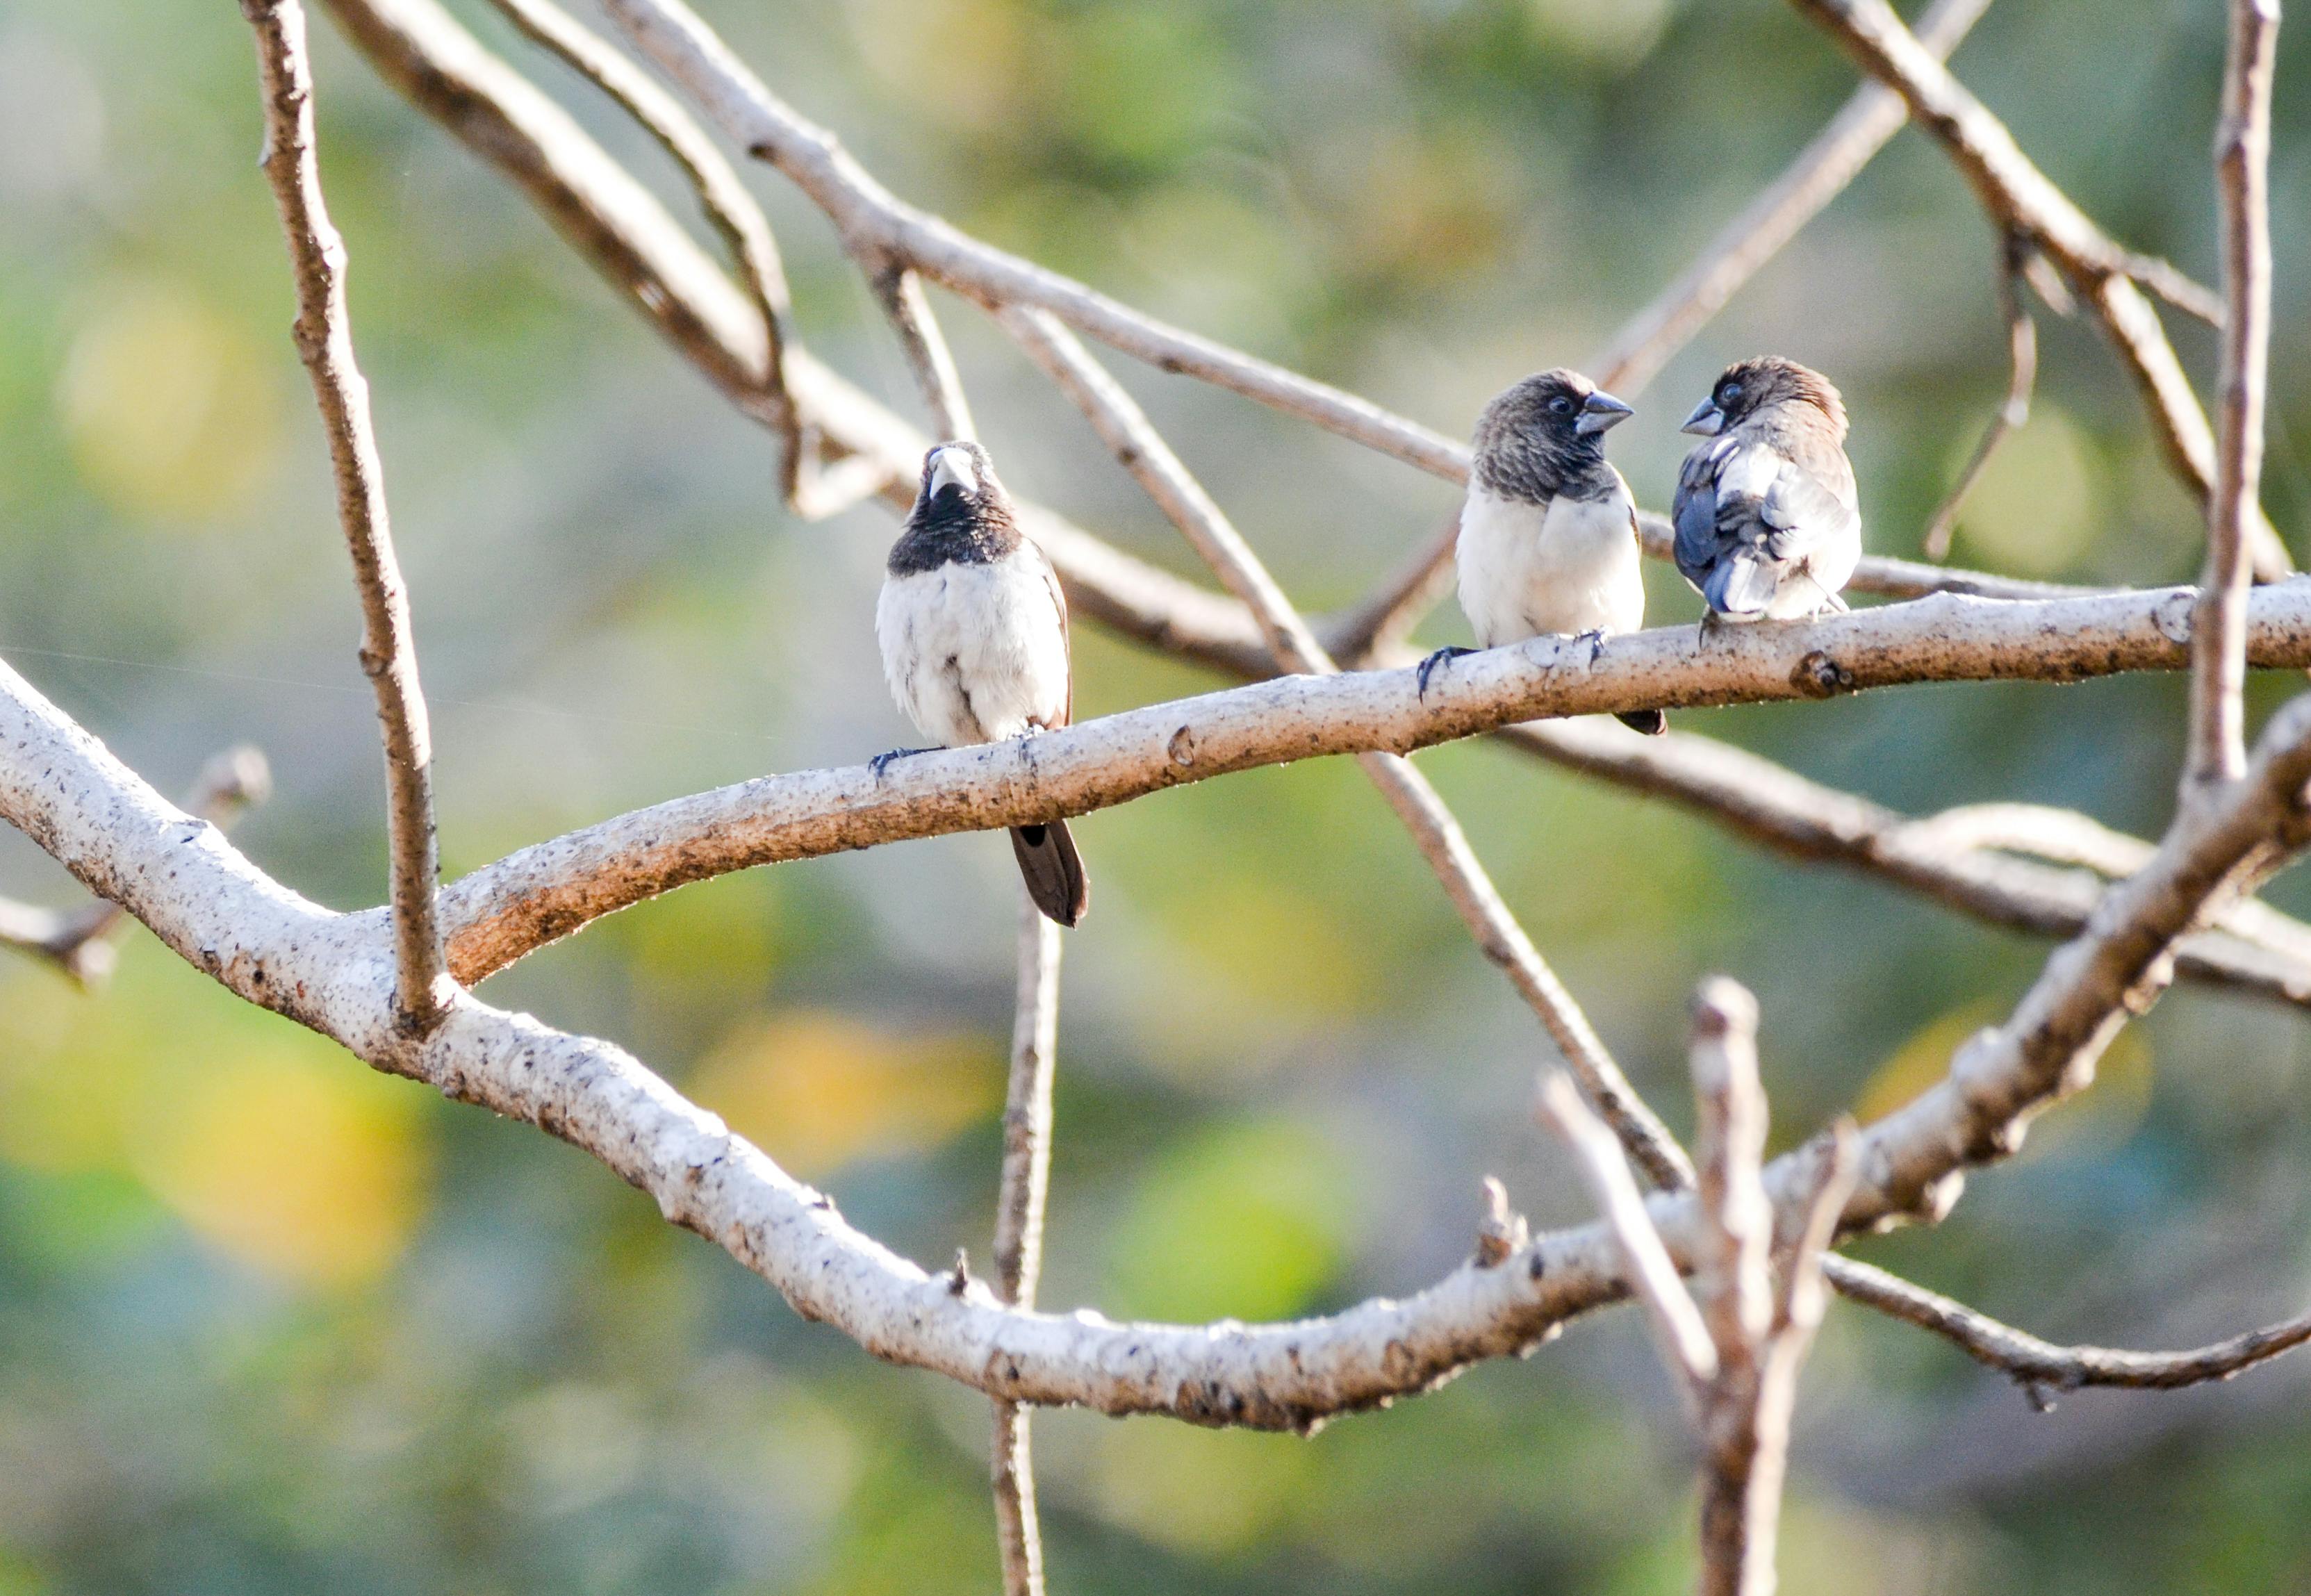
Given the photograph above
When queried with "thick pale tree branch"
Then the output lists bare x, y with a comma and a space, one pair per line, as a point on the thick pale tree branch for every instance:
2019, 198
85, 942
508, 909
334, 973
2041, 1366
388, 652
2217, 726
1821, 173
2216, 850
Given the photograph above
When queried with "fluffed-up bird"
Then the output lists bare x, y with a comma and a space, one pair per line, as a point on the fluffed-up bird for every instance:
1768, 524
973, 630
1549, 533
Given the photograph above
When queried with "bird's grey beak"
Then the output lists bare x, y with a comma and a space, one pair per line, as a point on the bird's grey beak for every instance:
1599, 412
1705, 422
952, 467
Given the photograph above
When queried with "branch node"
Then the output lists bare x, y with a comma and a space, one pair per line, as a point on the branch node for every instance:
1503, 1231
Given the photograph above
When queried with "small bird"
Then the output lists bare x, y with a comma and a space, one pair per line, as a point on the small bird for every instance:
974, 636
1767, 520
1549, 533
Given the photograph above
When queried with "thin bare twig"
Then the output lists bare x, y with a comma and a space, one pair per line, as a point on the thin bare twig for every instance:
2162, 277
1142, 451
2021, 197
1019, 1229
2022, 380
1820, 174
745, 231
1742, 1501
1385, 620
873, 222
2218, 730
388, 652
1736, 1356
1737, 1222
85, 942
2040, 1366
1962, 858
900, 291
1761, 1336
1679, 1329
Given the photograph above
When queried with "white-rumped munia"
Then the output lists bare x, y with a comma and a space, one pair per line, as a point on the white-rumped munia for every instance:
973, 630
1549, 533
1767, 520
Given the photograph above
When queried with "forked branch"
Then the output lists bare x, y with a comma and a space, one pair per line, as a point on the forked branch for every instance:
2021, 197
388, 652
2217, 727
1736, 1355
745, 231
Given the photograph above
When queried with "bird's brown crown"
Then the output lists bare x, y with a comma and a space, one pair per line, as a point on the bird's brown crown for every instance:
1746, 386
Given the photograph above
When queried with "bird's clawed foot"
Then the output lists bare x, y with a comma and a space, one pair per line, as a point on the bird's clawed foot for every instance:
1441, 656
1711, 623
1595, 638
882, 762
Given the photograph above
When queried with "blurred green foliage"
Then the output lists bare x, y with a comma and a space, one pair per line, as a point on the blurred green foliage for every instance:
269, 1323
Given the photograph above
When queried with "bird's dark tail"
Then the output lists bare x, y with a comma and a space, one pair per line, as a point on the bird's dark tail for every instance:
1054, 870
1652, 722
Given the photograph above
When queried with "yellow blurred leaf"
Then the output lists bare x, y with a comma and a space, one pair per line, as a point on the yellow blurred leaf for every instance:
309, 1169
816, 1090
170, 408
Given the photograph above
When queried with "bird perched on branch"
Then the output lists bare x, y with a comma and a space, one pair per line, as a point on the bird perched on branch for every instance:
974, 636
1767, 520
1549, 533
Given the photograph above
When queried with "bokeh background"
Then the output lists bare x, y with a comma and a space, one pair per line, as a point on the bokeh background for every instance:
271, 1323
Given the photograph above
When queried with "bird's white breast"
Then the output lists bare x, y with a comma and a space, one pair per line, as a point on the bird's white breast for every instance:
1568, 567
975, 653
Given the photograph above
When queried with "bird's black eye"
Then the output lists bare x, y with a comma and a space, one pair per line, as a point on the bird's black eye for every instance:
1731, 392
1560, 406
